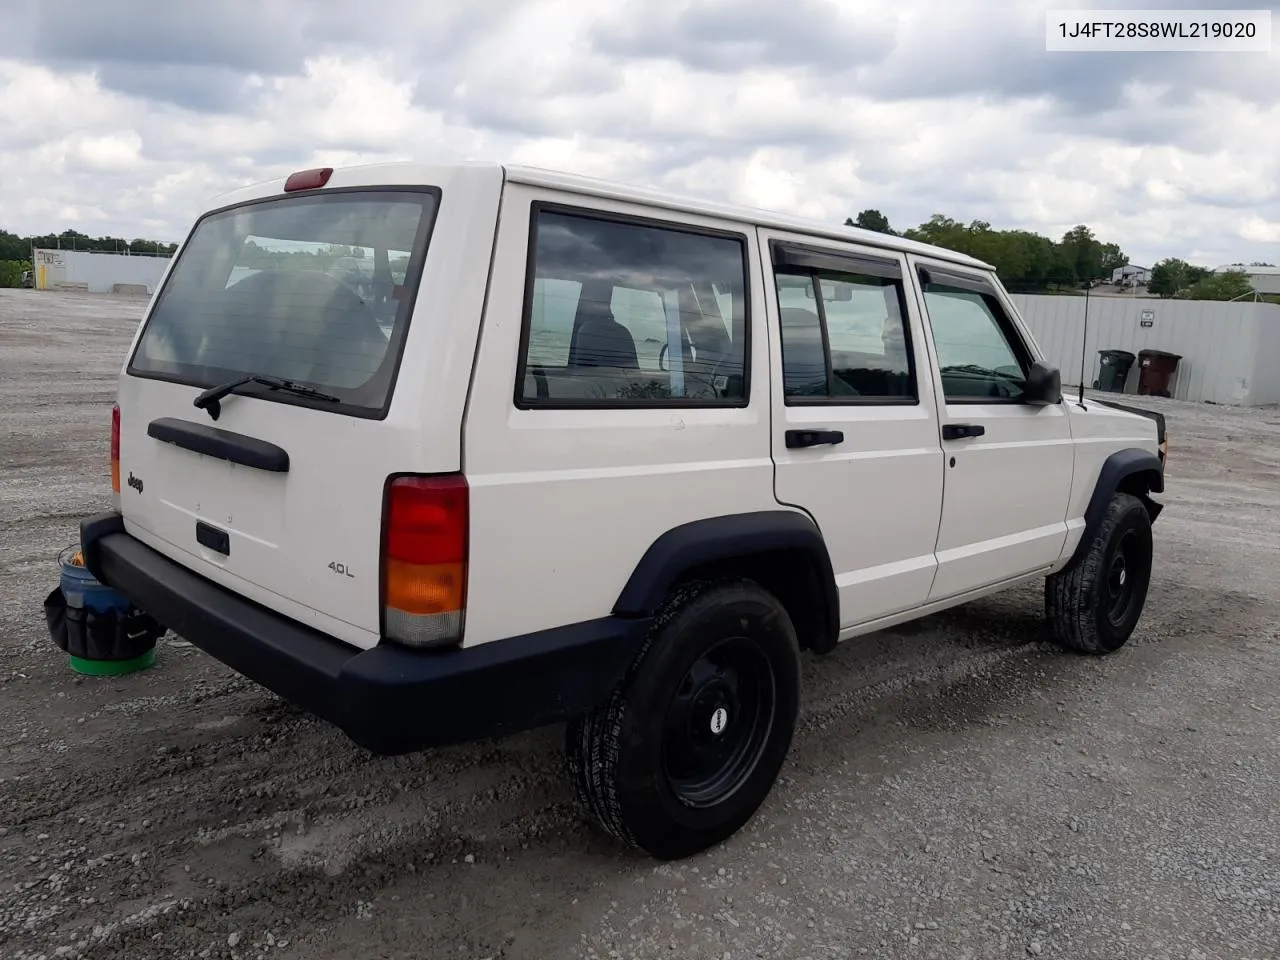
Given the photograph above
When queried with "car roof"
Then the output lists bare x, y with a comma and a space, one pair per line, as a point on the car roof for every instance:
410, 172
609, 190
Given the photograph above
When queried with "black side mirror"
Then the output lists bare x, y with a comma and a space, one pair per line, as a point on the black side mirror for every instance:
1043, 386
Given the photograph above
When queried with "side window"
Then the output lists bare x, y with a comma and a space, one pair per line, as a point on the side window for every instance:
627, 313
844, 338
979, 355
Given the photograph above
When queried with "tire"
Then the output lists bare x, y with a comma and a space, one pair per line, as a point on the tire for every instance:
1094, 605
659, 766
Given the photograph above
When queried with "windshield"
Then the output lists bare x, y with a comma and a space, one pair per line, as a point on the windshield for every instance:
314, 289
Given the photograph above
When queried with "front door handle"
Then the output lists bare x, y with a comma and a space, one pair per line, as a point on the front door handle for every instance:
813, 438
959, 431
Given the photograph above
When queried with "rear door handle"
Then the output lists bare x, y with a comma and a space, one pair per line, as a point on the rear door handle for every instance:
813, 438
959, 431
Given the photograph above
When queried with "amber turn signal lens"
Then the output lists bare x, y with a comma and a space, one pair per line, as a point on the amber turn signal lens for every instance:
434, 588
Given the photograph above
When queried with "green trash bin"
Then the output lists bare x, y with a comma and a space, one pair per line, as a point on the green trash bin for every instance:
1113, 370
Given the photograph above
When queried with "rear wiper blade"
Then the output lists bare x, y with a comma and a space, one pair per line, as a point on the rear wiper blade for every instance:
210, 399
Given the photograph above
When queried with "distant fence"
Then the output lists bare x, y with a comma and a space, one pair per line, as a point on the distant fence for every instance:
1230, 351
122, 252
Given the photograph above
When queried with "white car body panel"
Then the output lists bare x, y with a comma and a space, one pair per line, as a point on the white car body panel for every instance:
565, 502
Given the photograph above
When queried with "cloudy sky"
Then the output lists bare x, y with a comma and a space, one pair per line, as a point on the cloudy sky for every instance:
125, 117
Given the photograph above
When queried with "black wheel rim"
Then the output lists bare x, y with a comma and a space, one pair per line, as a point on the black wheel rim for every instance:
718, 722
1124, 575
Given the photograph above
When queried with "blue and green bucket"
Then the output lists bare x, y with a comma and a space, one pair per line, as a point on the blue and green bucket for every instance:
101, 631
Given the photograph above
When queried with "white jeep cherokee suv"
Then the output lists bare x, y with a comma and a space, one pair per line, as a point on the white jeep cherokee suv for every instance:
447, 452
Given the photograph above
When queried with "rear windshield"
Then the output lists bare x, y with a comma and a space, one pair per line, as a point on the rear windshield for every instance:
315, 289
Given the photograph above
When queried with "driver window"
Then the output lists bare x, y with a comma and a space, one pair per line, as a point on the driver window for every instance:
977, 359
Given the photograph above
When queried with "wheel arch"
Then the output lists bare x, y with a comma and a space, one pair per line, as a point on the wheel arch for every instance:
1133, 471
781, 550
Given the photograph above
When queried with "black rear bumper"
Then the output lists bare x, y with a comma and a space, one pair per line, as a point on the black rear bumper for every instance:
388, 699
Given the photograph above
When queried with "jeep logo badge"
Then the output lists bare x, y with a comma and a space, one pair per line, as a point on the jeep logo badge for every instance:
719, 720
135, 482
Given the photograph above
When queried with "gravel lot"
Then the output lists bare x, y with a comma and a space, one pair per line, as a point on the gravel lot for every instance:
958, 789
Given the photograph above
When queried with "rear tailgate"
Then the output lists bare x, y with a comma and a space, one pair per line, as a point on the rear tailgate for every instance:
274, 493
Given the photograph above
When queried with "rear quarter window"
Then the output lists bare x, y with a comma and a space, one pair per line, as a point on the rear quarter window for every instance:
623, 312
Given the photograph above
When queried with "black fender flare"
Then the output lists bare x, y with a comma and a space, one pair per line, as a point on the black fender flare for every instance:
716, 539
1116, 469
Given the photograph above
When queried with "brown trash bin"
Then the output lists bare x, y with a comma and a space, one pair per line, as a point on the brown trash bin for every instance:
1155, 369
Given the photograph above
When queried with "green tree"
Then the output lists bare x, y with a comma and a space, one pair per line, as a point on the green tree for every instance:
11, 272
1173, 277
1113, 258
13, 247
1196, 274
1168, 277
1086, 254
871, 220
1025, 261
1228, 285
941, 231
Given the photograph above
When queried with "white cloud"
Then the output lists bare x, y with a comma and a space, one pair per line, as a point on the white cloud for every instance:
824, 108
339, 101
112, 152
1260, 231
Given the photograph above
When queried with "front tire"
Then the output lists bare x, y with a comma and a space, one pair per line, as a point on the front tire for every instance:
692, 740
1094, 605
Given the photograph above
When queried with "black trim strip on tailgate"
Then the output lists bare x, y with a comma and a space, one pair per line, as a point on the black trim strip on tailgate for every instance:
223, 444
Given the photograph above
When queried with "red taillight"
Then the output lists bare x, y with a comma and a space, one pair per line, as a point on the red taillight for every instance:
424, 564
308, 179
115, 449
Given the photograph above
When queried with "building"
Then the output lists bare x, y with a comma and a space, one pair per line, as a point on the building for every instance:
94, 272
1262, 279
1131, 276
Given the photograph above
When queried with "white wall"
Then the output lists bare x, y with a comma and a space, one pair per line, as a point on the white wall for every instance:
1265, 282
1266, 364
98, 271
1230, 351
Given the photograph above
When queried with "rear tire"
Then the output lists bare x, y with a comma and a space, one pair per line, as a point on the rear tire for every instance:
1094, 605
692, 740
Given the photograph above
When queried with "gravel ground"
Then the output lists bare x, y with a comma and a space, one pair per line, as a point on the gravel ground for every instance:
958, 789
